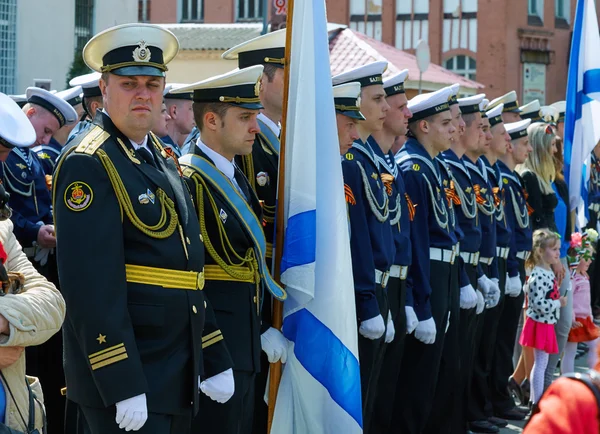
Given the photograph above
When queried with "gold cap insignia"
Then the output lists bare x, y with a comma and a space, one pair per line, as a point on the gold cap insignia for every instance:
257, 88
358, 101
142, 53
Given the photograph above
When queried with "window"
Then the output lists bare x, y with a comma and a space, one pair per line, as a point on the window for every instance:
412, 23
8, 45
192, 11
249, 10
562, 13
462, 65
460, 25
365, 17
535, 12
84, 20
144, 11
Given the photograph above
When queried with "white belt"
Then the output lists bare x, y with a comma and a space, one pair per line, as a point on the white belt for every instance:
524, 255
502, 252
442, 255
594, 207
382, 277
399, 271
486, 261
470, 258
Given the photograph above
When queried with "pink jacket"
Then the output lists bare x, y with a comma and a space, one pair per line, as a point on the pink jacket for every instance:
582, 307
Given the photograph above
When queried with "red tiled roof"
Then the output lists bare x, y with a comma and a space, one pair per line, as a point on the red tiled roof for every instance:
350, 49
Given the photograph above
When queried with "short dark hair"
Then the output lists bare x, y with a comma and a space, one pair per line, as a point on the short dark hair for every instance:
270, 71
201, 108
468, 118
87, 104
104, 77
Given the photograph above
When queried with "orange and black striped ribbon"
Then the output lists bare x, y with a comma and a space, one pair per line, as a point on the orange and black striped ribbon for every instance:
497, 199
349, 195
478, 197
530, 210
388, 180
451, 195
411, 207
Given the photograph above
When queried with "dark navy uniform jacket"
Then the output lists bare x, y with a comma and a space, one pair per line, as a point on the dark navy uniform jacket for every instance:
48, 154
399, 211
487, 210
517, 214
30, 199
371, 238
432, 226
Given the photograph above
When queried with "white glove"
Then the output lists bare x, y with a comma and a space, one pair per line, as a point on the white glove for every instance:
493, 297
425, 331
483, 284
480, 303
514, 283
411, 319
468, 298
132, 413
41, 255
390, 332
219, 387
373, 328
274, 344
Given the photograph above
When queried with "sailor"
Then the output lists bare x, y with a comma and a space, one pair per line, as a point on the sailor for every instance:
511, 108
400, 298
230, 215
21, 100
561, 108
371, 238
131, 256
433, 254
517, 215
181, 123
91, 99
531, 111
346, 98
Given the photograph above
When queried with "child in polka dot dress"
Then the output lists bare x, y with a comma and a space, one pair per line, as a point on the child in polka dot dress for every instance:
543, 306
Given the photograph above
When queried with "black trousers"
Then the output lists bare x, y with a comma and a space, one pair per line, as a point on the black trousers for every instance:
370, 356
389, 383
594, 270
449, 377
234, 416
470, 323
479, 406
421, 363
503, 366
102, 421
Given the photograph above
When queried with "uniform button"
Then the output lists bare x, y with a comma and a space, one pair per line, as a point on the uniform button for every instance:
255, 300
194, 309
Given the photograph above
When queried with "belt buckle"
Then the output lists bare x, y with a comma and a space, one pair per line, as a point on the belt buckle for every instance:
452, 256
384, 278
403, 272
200, 281
475, 258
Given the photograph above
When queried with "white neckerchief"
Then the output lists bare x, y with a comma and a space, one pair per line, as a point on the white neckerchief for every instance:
226, 166
275, 127
135, 145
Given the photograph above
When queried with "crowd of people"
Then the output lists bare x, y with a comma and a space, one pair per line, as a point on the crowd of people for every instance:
151, 207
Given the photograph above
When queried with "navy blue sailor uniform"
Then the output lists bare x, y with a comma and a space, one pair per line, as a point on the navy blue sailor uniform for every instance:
434, 277
517, 213
138, 319
48, 154
372, 249
399, 288
237, 277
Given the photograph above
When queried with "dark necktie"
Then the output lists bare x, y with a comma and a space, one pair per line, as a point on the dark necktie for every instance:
242, 183
147, 156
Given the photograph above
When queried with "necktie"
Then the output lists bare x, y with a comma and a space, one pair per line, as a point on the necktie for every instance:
242, 184
147, 156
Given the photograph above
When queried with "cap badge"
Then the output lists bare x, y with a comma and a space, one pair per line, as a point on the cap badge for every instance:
358, 101
142, 53
257, 88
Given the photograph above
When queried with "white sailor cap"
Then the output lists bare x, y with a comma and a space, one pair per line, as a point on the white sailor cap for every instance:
561, 106
429, 104
366, 75
346, 98
495, 114
170, 87
395, 84
531, 111
73, 97
15, 128
89, 84
549, 114
21, 100
509, 100
483, 106
268, 49
132, 49
61, 109
516, 130
239, 87
470, 104
454, 88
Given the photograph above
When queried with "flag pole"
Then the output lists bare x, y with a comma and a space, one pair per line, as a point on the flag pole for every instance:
275, 373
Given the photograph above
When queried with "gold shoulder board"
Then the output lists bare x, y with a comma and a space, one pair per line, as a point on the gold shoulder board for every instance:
92, 141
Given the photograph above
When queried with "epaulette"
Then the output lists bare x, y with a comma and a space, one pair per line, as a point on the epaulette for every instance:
92, 141
43, 156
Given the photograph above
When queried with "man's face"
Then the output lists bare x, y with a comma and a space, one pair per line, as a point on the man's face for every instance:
509, 117
237, 130
347, 132
44, 123
441, 129
521, 150
458, 122
486, 137
271, 92
374, 107
473, 133
133, 102
182, 116
500, 140
160, 126
398, 114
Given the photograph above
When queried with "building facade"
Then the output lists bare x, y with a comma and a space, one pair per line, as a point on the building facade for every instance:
39, 38
503, 44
